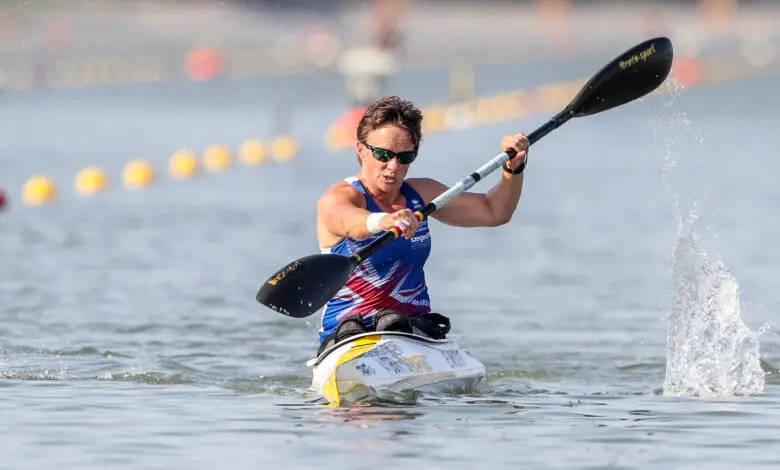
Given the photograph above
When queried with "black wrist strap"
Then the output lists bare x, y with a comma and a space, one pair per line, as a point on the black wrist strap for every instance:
514, 172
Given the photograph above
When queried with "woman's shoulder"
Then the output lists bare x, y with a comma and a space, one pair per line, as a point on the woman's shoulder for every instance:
342, 191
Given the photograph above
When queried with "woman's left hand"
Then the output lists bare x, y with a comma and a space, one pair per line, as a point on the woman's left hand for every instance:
519, 143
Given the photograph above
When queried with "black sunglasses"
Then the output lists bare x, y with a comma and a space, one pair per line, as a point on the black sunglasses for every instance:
384, 155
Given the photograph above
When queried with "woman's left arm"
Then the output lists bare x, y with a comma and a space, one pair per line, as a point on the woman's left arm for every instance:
490, 209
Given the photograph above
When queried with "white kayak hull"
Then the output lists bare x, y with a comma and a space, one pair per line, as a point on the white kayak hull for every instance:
389, 365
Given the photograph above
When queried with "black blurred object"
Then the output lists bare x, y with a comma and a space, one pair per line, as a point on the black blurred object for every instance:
434, 325
391, 320
390, 38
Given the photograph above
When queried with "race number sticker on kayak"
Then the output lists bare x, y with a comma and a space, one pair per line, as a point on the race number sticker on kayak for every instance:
415, 364
390, 364
396, 365
453, 357
384, 349
365, 369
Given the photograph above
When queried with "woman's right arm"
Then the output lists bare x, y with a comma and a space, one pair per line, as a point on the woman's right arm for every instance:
341, 210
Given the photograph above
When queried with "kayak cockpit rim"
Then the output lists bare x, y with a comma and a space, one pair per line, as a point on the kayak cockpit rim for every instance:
314, 361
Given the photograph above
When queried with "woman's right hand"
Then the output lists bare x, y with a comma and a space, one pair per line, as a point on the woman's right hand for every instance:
403, 219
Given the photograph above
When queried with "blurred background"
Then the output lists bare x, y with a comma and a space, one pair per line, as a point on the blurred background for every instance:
299, 72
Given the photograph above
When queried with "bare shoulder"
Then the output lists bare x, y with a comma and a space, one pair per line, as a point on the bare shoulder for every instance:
341, 193
428, 188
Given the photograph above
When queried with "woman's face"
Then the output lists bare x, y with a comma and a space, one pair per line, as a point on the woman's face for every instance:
385, 176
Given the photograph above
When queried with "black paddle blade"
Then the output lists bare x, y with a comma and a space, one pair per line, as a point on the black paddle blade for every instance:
633, 74
306, 285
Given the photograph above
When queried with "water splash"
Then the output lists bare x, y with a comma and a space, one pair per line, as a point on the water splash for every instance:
709, 350
686, 157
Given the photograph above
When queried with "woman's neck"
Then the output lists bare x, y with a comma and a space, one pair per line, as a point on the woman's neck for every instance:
384, 198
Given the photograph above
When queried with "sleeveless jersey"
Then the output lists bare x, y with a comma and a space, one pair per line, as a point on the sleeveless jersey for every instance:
391, 279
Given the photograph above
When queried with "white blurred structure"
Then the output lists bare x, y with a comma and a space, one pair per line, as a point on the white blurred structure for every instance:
363, 41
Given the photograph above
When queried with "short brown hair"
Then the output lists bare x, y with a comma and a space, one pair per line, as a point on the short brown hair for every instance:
392, 110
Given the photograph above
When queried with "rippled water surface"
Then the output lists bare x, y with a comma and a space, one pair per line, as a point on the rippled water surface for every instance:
625, 315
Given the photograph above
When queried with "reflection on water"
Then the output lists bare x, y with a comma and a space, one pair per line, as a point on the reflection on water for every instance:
366, 414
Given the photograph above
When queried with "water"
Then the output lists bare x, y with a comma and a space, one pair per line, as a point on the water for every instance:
617, 330
710, 350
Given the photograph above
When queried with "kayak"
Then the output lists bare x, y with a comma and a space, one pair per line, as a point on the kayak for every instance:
392, 366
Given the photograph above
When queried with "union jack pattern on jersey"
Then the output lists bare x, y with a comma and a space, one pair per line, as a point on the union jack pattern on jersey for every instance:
391, 279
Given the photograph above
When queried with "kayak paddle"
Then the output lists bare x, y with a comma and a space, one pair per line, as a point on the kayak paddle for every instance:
307, 284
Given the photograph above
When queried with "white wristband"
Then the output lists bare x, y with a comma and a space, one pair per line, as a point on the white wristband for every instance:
372, 222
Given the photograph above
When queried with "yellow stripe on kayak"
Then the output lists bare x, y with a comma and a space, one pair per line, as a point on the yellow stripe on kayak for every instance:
362, 345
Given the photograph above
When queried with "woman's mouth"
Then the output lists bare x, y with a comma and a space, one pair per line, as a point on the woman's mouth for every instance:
389, 179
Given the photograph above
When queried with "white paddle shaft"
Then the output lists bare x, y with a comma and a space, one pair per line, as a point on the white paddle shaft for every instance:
469, 181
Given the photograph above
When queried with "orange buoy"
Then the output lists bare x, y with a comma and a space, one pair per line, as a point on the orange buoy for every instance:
687, 71
343, 132
203, 64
